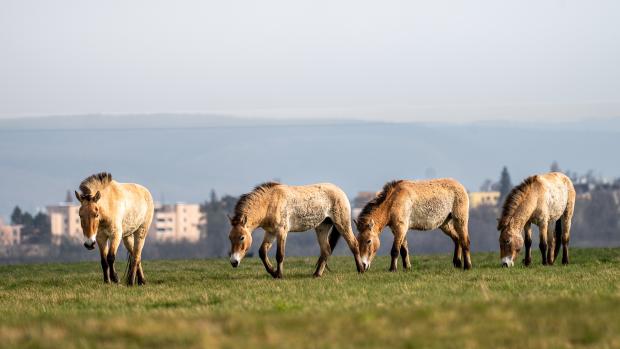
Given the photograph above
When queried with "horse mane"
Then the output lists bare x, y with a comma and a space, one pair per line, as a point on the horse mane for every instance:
94, 183
245, 200
377, 201
513, 200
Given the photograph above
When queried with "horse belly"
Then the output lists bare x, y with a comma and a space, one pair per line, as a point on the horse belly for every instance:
430, 214
306, 214
132, 220
310, 220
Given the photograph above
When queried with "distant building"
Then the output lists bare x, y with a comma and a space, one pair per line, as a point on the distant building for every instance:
10, 235
64, 222
483, 198
171, 223
177, 222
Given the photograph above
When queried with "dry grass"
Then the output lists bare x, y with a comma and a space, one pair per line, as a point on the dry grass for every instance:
193, 304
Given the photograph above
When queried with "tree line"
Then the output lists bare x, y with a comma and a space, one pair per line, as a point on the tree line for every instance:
596, 222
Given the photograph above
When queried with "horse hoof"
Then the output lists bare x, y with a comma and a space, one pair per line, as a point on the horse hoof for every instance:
457, 264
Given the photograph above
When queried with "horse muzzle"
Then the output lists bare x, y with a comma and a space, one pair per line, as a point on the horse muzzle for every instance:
507, 262
235, 260
90, 246
365, 264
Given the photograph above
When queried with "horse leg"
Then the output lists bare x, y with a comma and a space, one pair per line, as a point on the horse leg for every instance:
280, 253
460, 225
528, 245
404, 255
565, 236
128, 242
138, 239
102, 242
115, 241
448, 229
400, 232
322, 235
347, 233
543, 241
566, 223
142, 231
264, 249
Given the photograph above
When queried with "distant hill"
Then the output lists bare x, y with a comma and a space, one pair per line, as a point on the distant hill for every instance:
181, 158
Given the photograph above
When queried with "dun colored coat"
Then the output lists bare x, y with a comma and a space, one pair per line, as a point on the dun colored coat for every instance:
419, 205
280, 209
546, 200
111, 211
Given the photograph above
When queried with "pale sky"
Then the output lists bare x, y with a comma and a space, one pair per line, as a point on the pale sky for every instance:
389, 60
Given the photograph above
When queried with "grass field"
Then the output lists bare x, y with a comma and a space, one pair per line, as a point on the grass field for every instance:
206, 303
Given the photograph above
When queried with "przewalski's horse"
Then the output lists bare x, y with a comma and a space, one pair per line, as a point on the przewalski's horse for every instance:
418, 205
110, 211
544, 200
280, 209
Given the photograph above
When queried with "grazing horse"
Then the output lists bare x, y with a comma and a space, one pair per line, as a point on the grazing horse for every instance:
545, 200
418, 205
110, 211
280, 209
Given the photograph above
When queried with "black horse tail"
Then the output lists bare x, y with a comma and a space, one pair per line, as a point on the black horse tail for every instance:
558, 238
129, 262
334, 236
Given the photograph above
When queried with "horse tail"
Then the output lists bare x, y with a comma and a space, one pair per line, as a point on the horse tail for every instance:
334, 236
129, 262
558, 238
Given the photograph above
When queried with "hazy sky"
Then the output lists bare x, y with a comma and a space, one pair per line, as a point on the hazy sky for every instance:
396, 60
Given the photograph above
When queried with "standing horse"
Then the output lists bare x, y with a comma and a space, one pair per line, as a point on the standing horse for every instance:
419, 205
110, 211
542, 199
280, 209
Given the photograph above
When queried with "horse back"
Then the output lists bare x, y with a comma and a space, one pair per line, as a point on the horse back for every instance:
429, 203
307, 206
558, 193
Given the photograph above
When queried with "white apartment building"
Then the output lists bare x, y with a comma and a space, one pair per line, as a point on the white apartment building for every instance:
177, 222
9, 234
65, 221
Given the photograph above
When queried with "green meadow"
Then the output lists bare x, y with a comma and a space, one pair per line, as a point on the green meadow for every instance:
208, 304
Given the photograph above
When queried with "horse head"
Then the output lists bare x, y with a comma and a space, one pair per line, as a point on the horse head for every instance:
240, 239
89, 217
368, 241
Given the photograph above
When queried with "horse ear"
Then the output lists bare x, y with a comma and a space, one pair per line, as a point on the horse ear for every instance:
355, 222
371, 224
244, 220
78, 196
97, 197
229, 218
